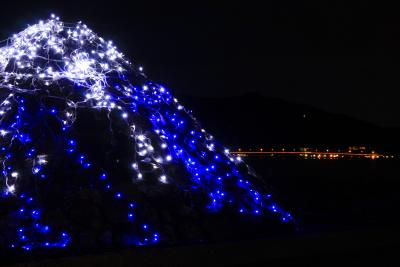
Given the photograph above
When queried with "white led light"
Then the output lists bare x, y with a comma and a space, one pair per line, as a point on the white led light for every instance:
141, 137
11, 189
163, 179
3, 132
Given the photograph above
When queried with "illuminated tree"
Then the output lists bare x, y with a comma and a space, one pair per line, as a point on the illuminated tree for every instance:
81, 124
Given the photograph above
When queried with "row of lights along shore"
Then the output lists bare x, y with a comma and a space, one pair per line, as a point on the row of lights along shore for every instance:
314, 153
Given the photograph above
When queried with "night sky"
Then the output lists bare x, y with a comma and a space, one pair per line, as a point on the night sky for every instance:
337, 56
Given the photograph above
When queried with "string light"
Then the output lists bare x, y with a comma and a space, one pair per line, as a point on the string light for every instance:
36, 61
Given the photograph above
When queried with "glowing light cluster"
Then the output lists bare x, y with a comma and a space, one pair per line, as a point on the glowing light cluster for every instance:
70, 63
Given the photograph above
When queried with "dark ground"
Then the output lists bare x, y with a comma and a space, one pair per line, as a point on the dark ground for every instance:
357, 248
347, 209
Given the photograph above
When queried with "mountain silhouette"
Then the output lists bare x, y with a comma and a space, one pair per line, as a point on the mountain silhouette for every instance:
260, 121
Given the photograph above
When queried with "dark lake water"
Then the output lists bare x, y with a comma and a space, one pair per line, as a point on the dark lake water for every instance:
335, 194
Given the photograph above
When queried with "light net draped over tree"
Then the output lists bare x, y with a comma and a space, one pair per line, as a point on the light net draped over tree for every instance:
80, 121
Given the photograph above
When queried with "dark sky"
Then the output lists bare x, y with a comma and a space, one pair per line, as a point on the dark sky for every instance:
337, 56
